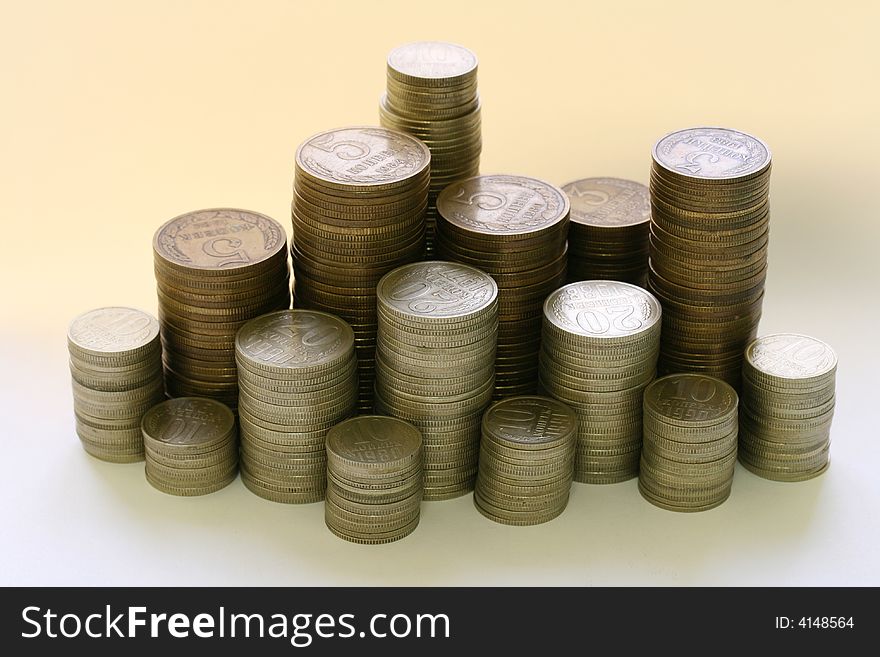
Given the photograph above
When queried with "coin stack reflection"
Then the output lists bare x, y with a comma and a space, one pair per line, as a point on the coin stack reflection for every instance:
297, 377
116, 372
432, 94
358, 212
435, 364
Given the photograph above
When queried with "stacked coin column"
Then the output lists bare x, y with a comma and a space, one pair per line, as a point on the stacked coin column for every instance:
513, 228
215, 269
598, 353
358, 212
435, 363
297, 377
689, 451
432, 94
709, 232
787, 407
116, 372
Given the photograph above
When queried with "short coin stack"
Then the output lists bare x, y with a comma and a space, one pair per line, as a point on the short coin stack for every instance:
432, 94
608, 233
116, 371
358, 212
513, 228
689, 451
215, 269
787, 407
435, 364
191, 445
598, 353
526, 460
297, 377
709, 232
374, 479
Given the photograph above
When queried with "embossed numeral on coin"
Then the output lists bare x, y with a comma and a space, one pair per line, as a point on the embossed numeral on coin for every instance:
181, 430
590, 196
483, 200
702, 392
422, 299
693, 166
619, 317
227, 248
344, 149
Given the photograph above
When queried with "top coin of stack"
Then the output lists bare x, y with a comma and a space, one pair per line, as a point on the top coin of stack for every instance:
709, 232
116, 367
514, 228
432, 94
215, 269
787, 406
358, 212
608, 233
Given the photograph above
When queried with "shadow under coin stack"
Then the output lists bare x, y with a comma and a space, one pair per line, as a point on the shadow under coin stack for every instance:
358, 212
787, 407
374, 479
191, 446
608, 232
689, 451
431, 94
513, 228
435, 364
297, 377
116, 371
526, 460
599, 352
215, 269
709, 233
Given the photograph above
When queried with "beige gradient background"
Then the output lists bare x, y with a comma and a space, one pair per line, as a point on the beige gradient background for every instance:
119, 115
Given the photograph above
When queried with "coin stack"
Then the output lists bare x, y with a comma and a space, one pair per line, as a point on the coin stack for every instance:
215, 269
598, 353
297, 377
435, 364
708, 254
191, 445
608, 233
116, 372
374, 479
513, 228
432, 94
526, 460
358, 212
787, 407
689, 450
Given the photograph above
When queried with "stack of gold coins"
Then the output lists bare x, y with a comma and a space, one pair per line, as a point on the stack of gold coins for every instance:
116, 371
689, 451
709, 231
787, 407
608, 233
599, 352
513, 228
526, 460
215, 269
191, 445
435, 363
297, 377
432, 94
374, 479
358, 212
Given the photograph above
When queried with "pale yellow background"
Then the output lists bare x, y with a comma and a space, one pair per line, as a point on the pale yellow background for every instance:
117, 116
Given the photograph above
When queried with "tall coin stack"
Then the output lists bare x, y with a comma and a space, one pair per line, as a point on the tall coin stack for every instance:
297, 377
514, 228
435, 364
608, 233
432, 94
215, 270
599, 352
787, 407
116, 372
689, 451
709, 232
526, 460
359, 199
374, 479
